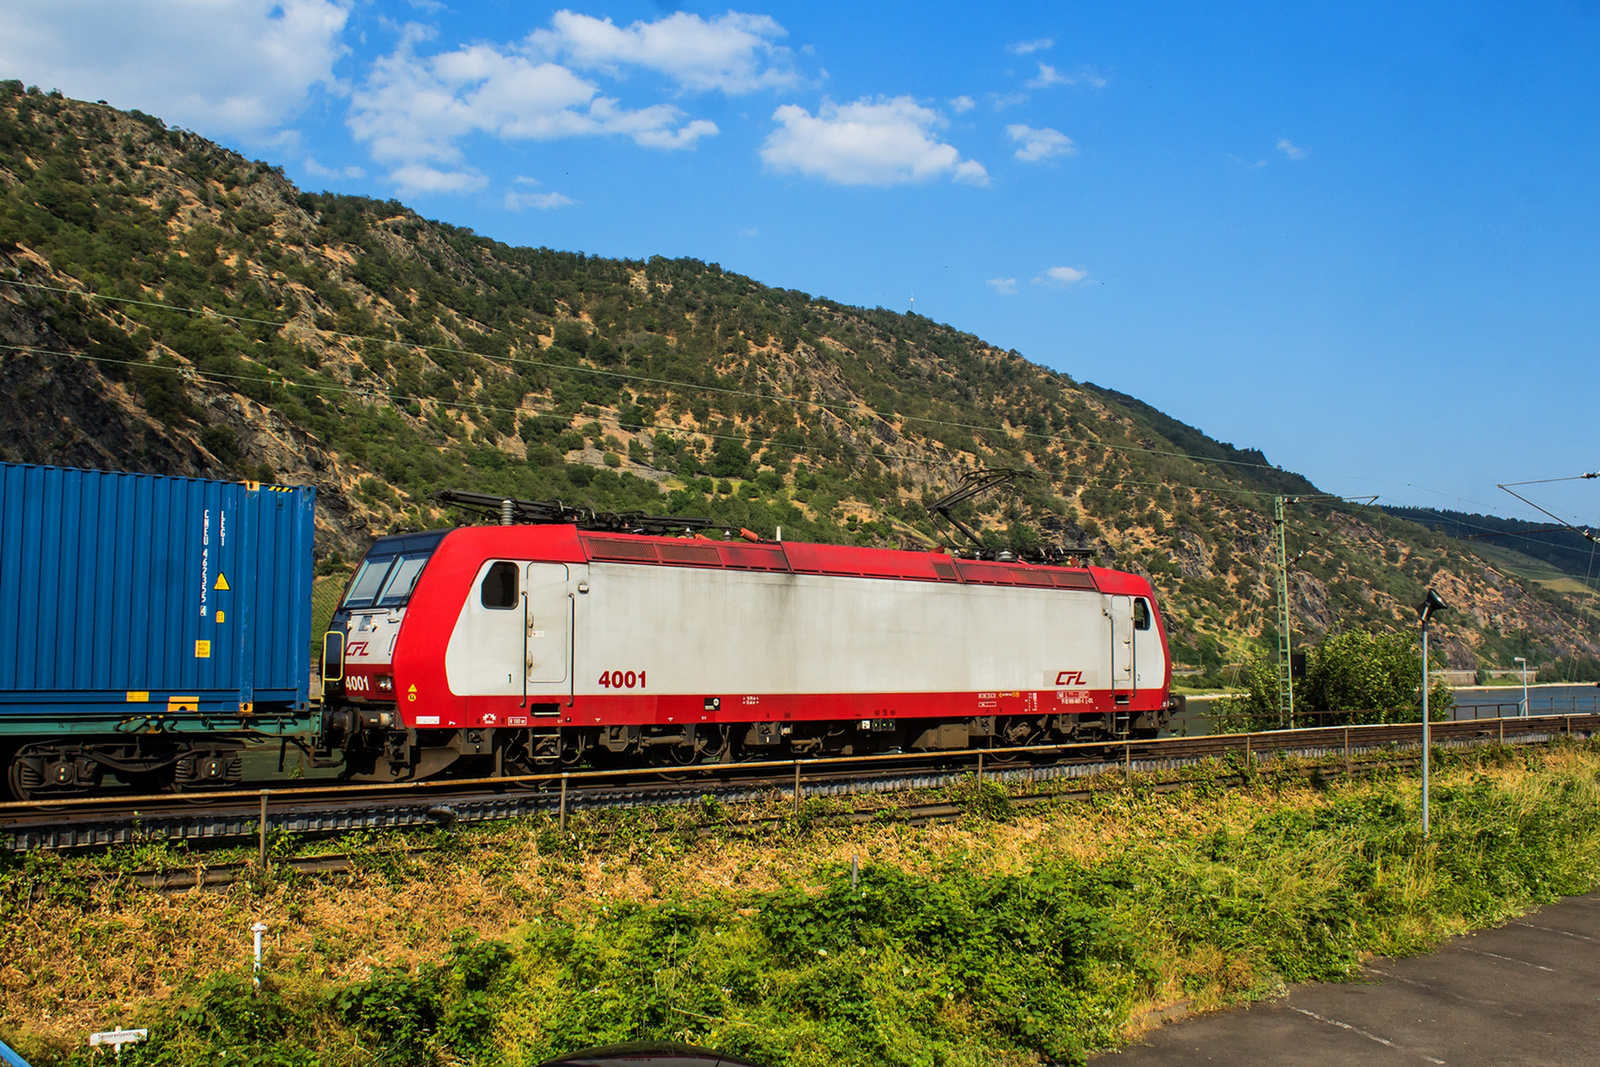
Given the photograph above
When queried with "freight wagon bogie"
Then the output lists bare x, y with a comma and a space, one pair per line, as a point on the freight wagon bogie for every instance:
73, 767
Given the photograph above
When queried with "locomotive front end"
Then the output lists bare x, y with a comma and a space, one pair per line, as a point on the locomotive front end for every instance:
359, 699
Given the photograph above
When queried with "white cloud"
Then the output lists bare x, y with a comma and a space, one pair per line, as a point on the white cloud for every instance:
1039, 44
1001, 101
732, 53
515, 201
1040, 144
963, 103
1290, 149
1003, 286
420, 178
413, 109
240, 67
882, 142
1062, 277
316, 169
1049, 76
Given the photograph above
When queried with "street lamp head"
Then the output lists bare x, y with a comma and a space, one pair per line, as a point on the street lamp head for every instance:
1429, 605
1518, 659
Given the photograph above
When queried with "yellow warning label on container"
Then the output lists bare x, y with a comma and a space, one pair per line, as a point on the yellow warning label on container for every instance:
138, 696
222, 616
222, 583
202, 650
183, 703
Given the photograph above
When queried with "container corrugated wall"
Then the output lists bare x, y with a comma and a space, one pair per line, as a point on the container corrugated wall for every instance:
117, 588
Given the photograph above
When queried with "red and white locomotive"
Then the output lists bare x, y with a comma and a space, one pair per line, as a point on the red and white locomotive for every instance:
501, 649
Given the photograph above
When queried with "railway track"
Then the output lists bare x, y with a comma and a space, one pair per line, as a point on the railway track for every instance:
217, 875
239, 816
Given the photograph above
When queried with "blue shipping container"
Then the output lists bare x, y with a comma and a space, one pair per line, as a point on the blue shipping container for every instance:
139, 603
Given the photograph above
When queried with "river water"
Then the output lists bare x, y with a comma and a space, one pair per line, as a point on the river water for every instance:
1491, 701
1472, 702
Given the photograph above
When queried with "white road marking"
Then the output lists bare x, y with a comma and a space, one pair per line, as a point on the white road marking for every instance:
1553, 930
1363, 1033
1442, 992
1508, 959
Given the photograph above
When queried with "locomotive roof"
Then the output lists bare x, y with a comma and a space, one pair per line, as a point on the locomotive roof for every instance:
564, 543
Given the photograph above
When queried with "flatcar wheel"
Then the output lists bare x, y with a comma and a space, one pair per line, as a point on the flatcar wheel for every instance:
21, 778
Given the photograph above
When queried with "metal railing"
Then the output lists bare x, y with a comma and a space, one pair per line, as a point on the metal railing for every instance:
301, 809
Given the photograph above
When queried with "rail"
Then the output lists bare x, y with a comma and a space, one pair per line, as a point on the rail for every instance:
237, 815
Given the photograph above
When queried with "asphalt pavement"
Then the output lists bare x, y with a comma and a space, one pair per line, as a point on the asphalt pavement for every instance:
1525, 993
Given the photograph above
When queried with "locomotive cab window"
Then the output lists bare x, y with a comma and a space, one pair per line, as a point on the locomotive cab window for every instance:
402, 579
1141, 613
368, 580
499, 588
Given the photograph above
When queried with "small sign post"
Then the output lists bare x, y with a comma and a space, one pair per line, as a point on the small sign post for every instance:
1425, 614
255, 975
117, 1038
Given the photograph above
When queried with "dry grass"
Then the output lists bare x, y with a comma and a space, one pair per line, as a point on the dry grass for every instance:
91, 953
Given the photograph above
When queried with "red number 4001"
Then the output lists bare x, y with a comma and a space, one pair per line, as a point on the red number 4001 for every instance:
622, 680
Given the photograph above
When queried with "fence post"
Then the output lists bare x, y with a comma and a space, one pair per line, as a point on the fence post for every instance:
563, 816
980, 770
1502, 730
261, 860
1127, 762
797, 787
1249, 760
1347, 751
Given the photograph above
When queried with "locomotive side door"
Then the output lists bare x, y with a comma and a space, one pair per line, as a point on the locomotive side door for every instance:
547, 618
1120, 610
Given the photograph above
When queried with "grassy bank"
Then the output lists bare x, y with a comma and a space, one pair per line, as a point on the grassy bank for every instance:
1006, 938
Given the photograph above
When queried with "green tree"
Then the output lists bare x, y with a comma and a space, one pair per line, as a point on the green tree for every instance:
1352, 677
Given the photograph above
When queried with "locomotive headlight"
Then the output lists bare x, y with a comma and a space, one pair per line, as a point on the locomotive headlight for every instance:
385, 683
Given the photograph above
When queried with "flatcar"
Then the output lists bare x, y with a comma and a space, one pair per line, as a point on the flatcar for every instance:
152, 628
503, 649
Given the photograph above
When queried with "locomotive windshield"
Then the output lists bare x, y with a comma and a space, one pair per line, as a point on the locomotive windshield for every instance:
390, 570
402, 579
385, 581
368, 579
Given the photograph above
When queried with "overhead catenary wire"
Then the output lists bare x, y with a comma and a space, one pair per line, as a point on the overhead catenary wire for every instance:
628, 376
1368, 501
219, 377
284, 381
1575, 529
834, 410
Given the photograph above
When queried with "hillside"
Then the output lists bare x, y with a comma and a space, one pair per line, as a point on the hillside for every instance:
1562, 551
167, 305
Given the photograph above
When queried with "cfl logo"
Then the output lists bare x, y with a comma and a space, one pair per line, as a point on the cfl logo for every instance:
1069, 678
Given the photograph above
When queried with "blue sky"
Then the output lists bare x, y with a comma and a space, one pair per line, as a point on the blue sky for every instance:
1362, 238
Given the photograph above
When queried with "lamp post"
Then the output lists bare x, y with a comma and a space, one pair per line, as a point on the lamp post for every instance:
1425, 611
1523, 713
